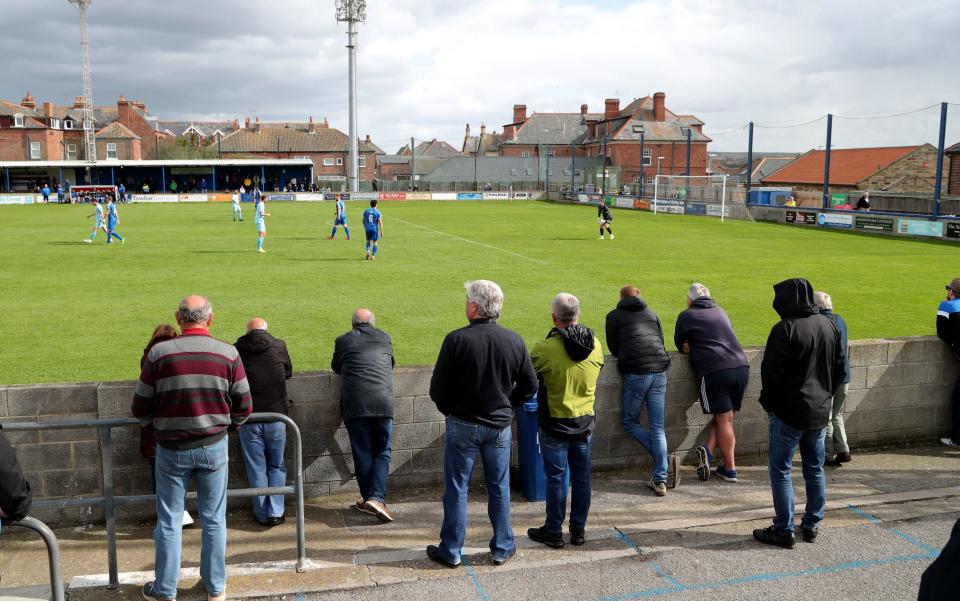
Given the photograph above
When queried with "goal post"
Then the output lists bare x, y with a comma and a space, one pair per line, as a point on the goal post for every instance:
709, 195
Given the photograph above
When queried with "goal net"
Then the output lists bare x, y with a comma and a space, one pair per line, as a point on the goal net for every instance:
710, 195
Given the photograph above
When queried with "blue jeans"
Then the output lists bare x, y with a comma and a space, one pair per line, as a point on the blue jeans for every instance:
558, 453
370, 439
648, 389
208, 465
463, 442
784, 440
262, 445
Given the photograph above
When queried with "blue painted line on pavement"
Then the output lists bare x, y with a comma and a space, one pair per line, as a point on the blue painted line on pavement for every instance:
867, 516
481, 594
932, 551
654, 565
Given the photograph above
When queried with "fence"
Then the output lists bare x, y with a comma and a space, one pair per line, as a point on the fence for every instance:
109, 501
53, 553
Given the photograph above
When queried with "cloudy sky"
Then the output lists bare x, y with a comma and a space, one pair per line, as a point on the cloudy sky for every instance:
428, 67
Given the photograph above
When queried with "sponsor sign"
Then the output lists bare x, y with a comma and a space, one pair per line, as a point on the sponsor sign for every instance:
193, 198
312, 196
675, 209
152, 197
915, 227
496, 195
443, 195
330, 196
610, 200
275, 196
800, 217
521, 195
837, 200
418, 196
364, 196
877, 224
835, 220
393, 195
696, 208
952, 229
219, 196
16, 199
624, 203
718, 210
469, 196
583, 199
643, 205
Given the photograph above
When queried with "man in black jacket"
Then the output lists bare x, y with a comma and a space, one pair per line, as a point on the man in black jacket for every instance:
268, 367
15, 495
604, 219
803, 362
363, 357
635, 338
948, 330
482, 372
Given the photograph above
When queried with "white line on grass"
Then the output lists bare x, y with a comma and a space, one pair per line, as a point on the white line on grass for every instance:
430, 229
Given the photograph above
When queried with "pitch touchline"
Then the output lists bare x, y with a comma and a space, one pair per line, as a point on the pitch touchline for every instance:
430, 229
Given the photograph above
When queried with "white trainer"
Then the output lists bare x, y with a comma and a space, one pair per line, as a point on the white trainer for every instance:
187, 520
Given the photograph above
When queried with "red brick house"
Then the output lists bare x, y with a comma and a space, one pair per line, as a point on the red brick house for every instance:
951, 170
430, 148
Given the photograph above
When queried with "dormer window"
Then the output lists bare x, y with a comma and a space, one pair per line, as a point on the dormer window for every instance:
55, 123
18, 120
68, 124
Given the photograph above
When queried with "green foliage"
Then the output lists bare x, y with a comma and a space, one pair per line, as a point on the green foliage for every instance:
187, 148
78, 312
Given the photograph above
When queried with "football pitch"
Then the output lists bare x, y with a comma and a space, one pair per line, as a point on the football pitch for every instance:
79, 312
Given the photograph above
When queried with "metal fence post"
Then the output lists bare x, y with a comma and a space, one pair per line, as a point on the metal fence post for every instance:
749, 161
938, 184
53, 553
826, 164
106, 463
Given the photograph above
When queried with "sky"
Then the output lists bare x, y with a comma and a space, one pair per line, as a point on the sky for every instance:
426, 68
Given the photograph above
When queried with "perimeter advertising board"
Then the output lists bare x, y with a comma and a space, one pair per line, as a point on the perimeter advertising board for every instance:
16, 199
916, 227
835, 220
643, 205
152, 197
952, 230
521, 195
718, 211
193, 198
696, 208
311, 196
800, 217
219, 196
443, 196
365, 196
496, 195
624, 203
280, 196
418, 196
393, 195
469, 196
875, 224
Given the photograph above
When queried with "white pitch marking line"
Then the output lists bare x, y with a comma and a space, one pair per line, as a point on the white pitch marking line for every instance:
430, 229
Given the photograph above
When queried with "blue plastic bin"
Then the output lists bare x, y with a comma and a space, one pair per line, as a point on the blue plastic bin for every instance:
533, 481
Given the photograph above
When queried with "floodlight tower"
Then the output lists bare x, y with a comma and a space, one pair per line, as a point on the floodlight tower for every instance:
353, 12
89, 136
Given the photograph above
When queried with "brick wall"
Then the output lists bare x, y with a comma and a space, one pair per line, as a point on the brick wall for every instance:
128, 149
15, 144
915, 172
900, 391
951, 172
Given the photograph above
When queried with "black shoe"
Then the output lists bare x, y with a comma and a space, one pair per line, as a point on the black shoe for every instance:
276, 521
433, 552
577, 537
550, 539
831, 463
769, 536
503, 560
810, 535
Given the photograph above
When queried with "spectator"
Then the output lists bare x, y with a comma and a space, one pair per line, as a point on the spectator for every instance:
203, 185
191, 441
567, 363
145, 188
122, 193
267, 364
803, 363
46, 192
60, 195
482, 372
363, 357
948, 329
835, 448
791, 202
941, 579
173, 186
704, 332
15, 495
635, 338
864, 203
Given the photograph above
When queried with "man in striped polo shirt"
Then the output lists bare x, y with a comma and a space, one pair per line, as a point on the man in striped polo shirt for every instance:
191, 390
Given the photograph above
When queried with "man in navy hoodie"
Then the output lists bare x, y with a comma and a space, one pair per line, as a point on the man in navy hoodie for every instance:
948, 329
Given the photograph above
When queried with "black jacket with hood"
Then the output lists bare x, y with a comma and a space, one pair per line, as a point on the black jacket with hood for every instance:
267, 363
635, 338
363, 357
803, 361
15, 495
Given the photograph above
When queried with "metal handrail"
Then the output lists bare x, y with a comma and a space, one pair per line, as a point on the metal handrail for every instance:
109, 501
53, 552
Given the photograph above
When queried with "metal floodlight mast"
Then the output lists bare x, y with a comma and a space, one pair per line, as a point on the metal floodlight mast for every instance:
352, 12
89, 135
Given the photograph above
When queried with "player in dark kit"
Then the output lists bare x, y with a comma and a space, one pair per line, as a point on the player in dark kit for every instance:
604, 218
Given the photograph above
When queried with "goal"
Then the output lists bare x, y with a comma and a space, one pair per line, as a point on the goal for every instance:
709, 195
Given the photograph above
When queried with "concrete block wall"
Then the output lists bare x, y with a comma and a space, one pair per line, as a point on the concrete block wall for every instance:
900, 390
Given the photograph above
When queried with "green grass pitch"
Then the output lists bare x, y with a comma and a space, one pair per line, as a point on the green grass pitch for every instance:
78, 312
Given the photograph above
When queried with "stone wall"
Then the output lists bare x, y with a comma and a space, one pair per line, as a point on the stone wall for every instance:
900, 391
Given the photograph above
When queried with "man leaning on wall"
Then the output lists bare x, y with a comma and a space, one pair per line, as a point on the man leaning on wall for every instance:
948, 329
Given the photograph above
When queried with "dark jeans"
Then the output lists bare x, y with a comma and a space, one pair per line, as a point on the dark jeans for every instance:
558, 453
370, 441
955, 403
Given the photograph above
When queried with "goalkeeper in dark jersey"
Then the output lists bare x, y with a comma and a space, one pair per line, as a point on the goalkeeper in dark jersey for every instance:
604, 218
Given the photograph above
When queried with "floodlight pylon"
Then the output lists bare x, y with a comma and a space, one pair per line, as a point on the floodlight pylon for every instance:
352, 12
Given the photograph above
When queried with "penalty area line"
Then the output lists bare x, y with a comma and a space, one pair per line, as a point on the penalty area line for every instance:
467, 240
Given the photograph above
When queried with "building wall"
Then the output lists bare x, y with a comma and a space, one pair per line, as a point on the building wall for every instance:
128, 149
916, 172
367, 172
951, 172
127, 116
15, 144
627, 157
900, 391
390, 171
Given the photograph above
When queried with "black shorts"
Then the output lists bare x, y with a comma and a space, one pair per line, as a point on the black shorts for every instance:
722, 391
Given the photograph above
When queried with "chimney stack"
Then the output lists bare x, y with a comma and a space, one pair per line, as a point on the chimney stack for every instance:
311, 128
483, 129
78, 102
246, 123
48, 110
611, 108
325, 124
235, 125
368, 140
583, 110
467, 135
28, 102
140, 105
256, 125
659, 107
519, 113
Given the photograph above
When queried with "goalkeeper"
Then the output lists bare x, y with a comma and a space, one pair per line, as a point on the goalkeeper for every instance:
604, 218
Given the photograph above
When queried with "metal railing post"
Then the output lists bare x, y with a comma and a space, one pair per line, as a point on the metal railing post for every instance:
53, 553
106, 463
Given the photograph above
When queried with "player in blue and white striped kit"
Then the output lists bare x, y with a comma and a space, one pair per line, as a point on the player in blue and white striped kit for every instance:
339, 218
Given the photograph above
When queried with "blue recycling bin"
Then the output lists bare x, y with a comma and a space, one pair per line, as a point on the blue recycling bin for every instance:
533, 481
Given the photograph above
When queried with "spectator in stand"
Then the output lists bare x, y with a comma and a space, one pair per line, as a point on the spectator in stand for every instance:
803, 363
46, 192
482, 372
145, 188
203, 185
363, 358
948, 329
173, 186
60, 196
15, 495
704, 332
635, 338
864, 203
791, 202
191, 441
122, 193
567, 363
835, 448
268, 367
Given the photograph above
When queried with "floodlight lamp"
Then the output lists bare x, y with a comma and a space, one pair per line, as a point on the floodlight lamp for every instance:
351, 10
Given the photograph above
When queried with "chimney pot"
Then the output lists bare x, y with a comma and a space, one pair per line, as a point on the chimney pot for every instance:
28, 102
583, 109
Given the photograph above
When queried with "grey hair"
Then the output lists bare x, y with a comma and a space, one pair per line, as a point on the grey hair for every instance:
823, 301
566, 307
697, 290
487, 296
357, 320
199, 314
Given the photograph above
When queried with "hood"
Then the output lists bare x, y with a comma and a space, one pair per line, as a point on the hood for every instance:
704, 302
254, 342
632, 303
578, 340
793, 298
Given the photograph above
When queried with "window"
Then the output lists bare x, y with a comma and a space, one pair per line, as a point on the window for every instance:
567, 172
684, 131
638, 129
529, 171
513, 172
647, 157
88, 124
525, 153
111, 150
551, 153
18, 120
55, 123
328, 162
35, 151
339, 161
361, 161
71, 151
68, 124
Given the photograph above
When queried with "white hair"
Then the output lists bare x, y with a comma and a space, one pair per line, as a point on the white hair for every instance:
823, 301
199, 314
358, 320
697, 290
487, 296
566, 307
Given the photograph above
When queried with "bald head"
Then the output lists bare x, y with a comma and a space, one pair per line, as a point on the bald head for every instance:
195, 311
363, 316
257, 323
